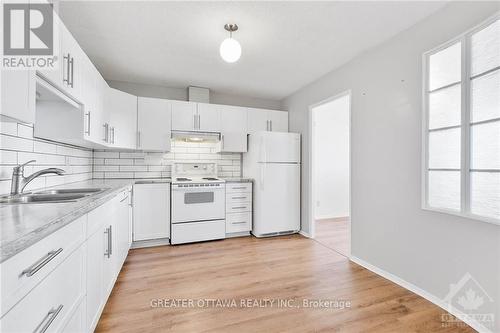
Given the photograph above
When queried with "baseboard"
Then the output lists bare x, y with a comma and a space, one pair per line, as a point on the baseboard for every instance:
150, 243
238, 234
420, 292
305, 234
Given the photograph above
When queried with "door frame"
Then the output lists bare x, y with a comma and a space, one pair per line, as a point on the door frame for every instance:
312, 155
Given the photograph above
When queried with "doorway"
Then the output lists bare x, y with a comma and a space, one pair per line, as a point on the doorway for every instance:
330, 173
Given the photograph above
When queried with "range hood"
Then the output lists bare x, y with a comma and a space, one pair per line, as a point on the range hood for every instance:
191, 136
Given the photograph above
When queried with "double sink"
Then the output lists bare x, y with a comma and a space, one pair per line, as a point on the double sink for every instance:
51, 196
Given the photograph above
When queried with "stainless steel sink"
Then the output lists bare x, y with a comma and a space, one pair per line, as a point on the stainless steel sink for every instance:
72, 191
41, 198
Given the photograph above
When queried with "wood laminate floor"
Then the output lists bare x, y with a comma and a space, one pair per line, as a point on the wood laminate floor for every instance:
335, 234
290, 268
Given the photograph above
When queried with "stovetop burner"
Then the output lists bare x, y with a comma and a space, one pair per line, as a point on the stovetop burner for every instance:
183, 179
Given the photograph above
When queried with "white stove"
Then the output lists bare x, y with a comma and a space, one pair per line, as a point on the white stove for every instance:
198, 203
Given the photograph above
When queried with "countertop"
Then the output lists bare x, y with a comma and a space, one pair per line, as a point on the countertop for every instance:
22, 225
238, 180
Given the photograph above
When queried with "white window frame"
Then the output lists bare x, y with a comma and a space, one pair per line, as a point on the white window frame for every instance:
465, 83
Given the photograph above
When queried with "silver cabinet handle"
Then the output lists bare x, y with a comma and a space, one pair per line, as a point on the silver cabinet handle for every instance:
68, 69
30, 271
240, 207
239, 188
88, 123
242, 222
138, 139
112, 135
222, 141
110, 243
271, 125
239, 197
107, 232
72, 71
51, 315
106, 128
199, 121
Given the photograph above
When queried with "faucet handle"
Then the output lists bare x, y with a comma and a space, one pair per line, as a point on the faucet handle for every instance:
20, 167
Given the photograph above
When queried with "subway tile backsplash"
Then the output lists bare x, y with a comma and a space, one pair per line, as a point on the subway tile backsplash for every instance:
17, 146
125, 164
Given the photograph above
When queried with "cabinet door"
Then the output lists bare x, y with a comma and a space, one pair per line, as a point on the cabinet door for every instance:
55, 75
208, 118
233, 119
151, 211
123, 118
18, 95
257, 120
153, 124
279, 121
71, 63
233, 142
95, 288
122, 229
183, 116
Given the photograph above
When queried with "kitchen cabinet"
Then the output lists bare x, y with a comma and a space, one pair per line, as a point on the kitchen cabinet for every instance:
207, 118
123, 228
238, 208
94, 279
18, 95
267, 120
154, 117
122, 108
72, 56
233, 129
184, 116
151, 211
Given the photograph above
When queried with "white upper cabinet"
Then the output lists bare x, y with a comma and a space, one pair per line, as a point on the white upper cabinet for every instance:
267, 120
18, 95
72, 56
233, 119
278, 121
257, 120
207, 118
153, 124
122, 108
184, 116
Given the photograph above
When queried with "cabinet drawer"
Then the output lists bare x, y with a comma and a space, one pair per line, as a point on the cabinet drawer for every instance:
238, 197
238, 222
238, 187
238, 207
51, 303
25, 270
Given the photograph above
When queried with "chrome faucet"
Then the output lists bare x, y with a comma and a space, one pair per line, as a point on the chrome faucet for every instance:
19, 182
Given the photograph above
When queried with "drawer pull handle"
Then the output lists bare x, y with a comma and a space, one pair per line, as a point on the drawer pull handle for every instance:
238, 197
51, 315
30, 271
240, 207
242, 222
240, 188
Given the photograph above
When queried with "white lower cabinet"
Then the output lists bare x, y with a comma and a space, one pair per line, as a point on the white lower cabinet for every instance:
62, 283
50, 306
238, 208
151, 211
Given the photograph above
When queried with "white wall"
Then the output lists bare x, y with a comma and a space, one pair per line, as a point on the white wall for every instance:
389, 229
331, 158
147, 90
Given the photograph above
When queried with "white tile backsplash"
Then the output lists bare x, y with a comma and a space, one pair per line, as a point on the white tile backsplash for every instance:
154, 165
17, 146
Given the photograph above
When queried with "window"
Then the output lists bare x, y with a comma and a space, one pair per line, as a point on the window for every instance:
462, 125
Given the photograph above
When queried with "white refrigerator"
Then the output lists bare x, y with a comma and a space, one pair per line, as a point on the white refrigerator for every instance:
273, 162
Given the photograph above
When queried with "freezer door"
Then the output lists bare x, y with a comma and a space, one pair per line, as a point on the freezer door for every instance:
276, 147
277, 199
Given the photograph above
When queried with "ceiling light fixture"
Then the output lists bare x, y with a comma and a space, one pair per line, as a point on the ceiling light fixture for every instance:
230, 49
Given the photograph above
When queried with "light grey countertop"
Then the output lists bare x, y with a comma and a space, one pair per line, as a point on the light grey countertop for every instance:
22, 225
238, 180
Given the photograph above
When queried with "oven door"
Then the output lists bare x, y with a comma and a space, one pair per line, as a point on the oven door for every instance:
201, 203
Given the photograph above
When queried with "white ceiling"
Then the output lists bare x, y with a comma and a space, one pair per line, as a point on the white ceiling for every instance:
286, 45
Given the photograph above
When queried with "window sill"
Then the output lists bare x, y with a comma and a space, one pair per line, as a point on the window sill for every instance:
469, 216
